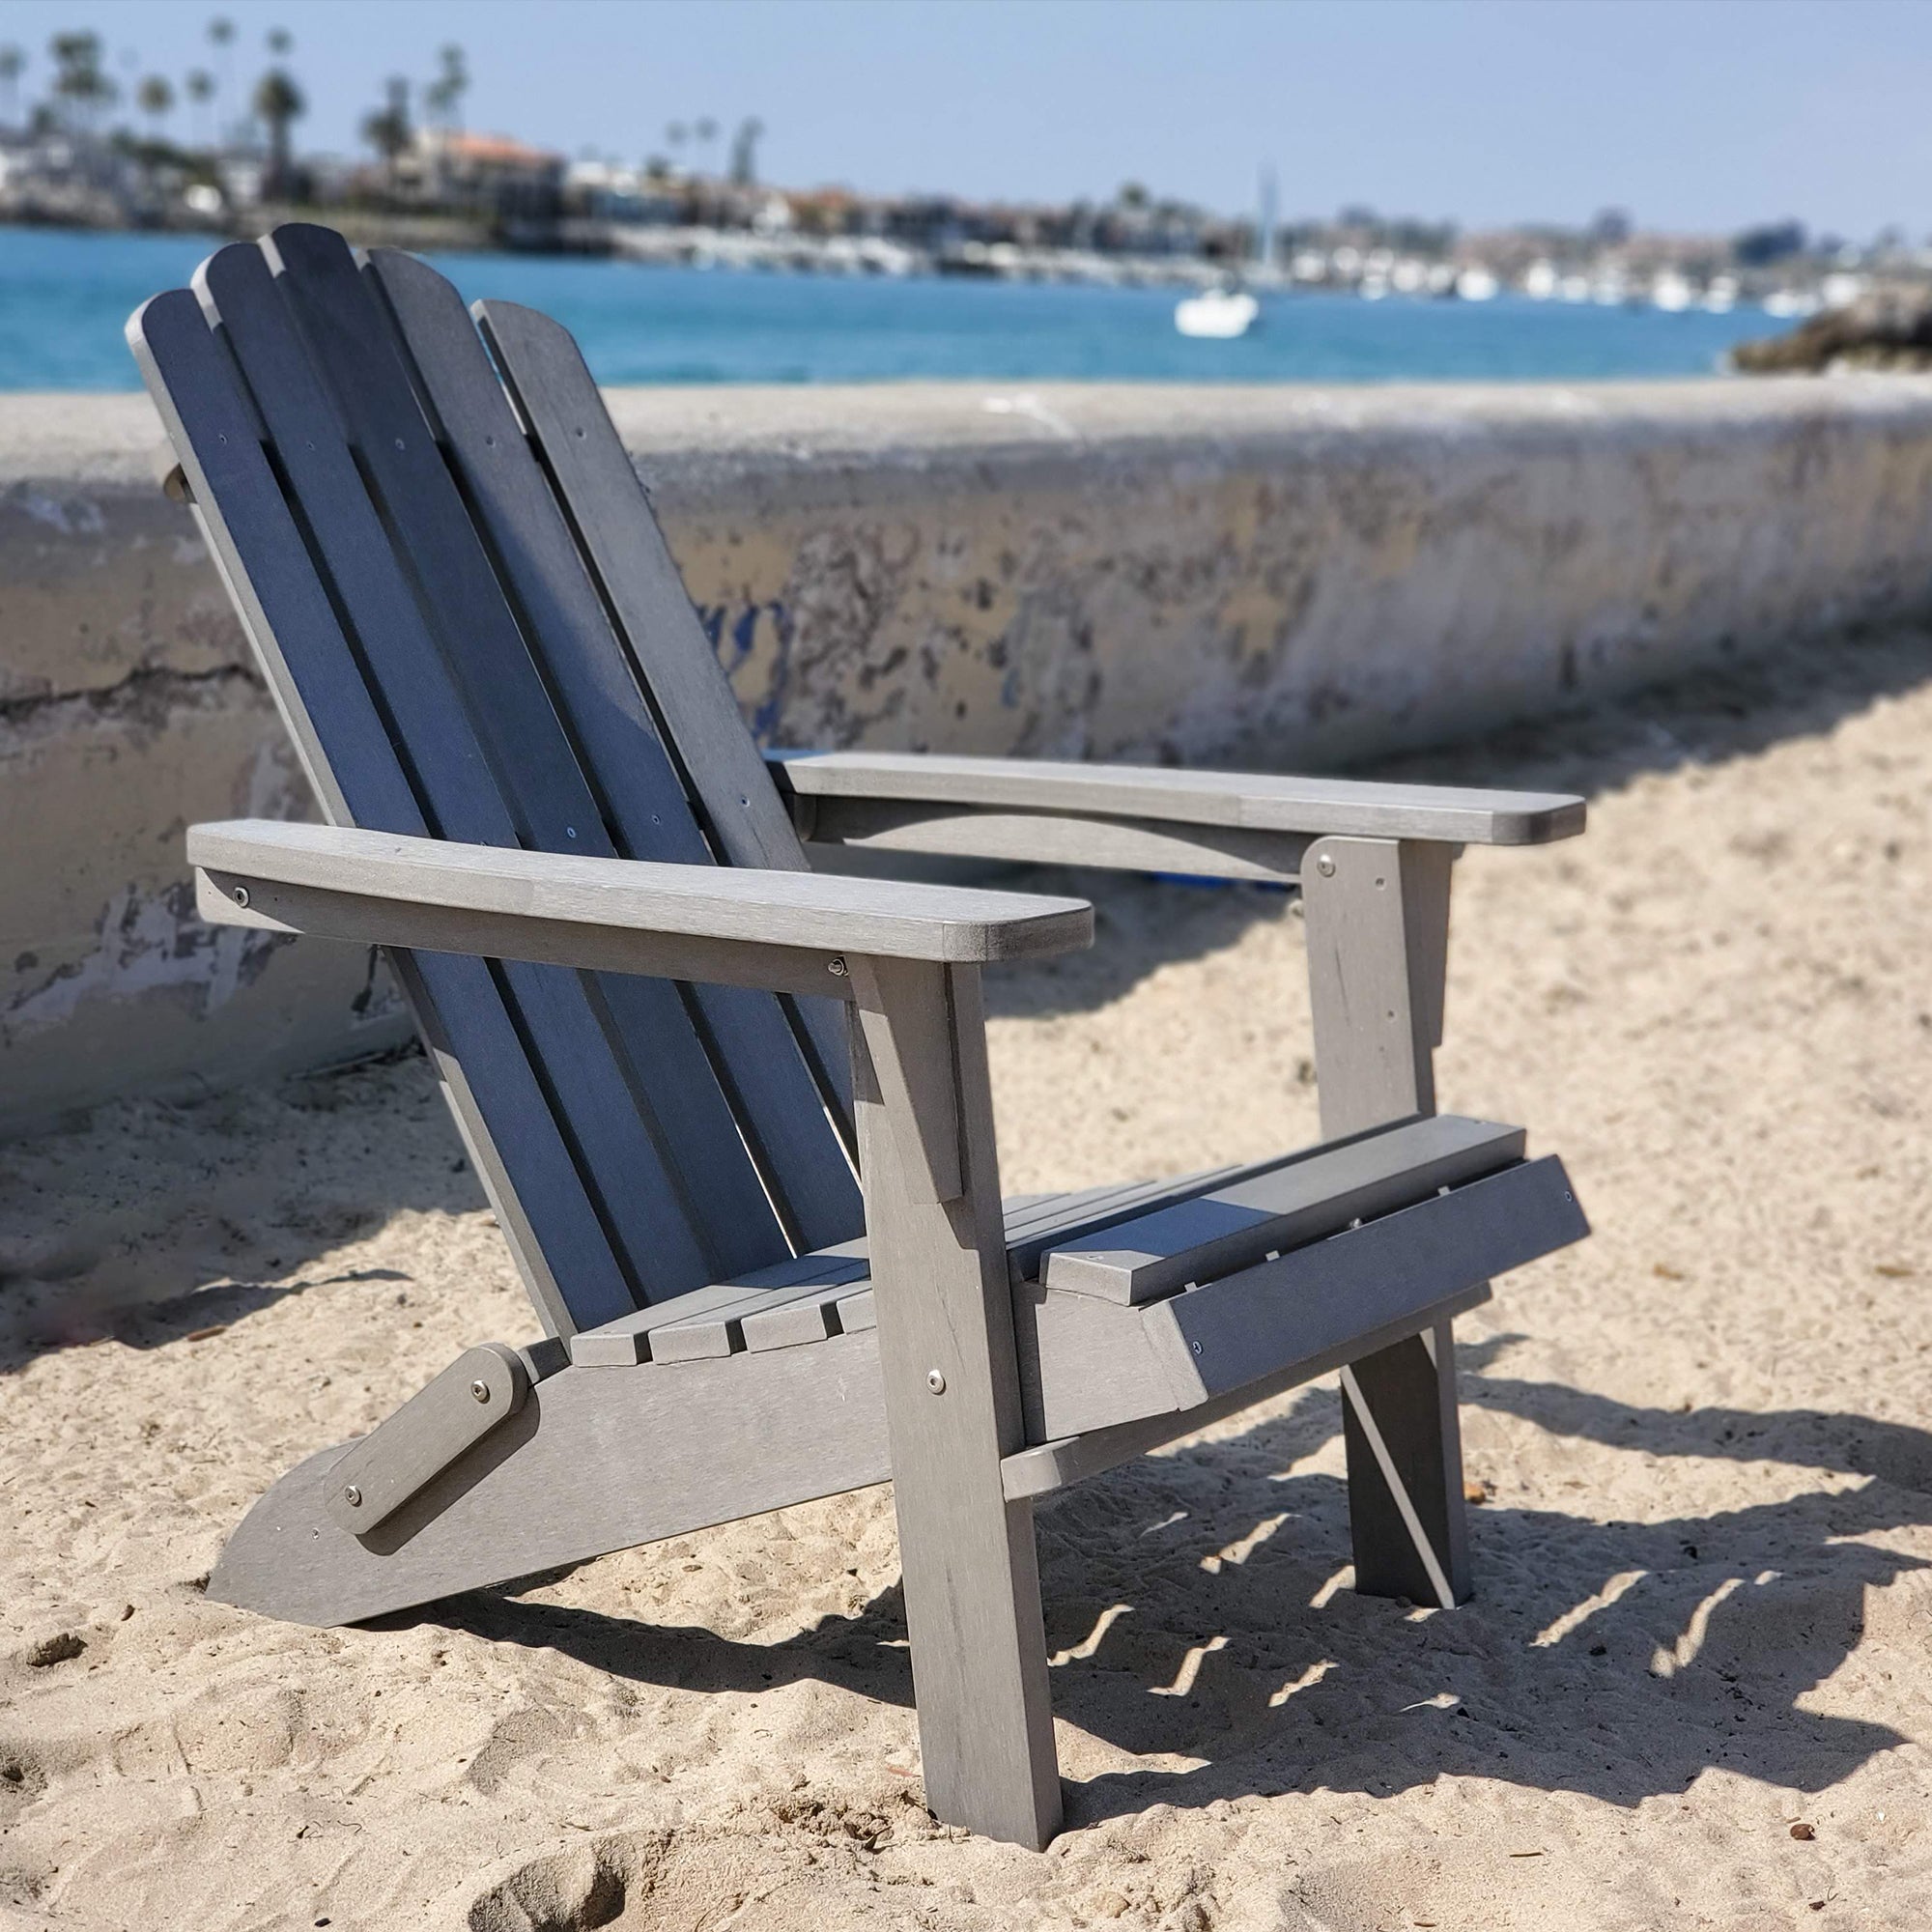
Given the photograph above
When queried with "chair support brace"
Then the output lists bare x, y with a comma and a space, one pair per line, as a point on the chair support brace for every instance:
479, 1392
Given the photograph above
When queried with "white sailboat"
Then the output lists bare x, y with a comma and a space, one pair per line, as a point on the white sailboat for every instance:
1217, 314
1672, 293
1223, 310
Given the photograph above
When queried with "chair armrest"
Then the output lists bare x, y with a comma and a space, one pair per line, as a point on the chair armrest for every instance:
784, 932
1228, 799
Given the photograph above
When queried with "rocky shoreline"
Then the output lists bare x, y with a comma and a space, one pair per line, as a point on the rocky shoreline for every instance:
1888, 330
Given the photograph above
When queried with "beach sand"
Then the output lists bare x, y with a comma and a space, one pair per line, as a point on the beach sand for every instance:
1704, 1611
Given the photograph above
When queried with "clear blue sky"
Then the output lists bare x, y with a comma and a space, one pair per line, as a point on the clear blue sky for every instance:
1695, 114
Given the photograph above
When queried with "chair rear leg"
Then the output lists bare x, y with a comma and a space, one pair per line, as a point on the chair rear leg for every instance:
1405, 1441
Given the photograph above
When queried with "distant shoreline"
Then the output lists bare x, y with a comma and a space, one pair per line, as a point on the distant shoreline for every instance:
66, 295
420, 234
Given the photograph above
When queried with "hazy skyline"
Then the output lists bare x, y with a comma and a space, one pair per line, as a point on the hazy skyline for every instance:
1700, 116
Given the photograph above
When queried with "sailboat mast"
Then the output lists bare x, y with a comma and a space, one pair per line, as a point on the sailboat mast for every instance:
1265, 220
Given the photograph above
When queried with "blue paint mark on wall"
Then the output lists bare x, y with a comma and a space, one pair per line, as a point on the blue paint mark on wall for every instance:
736, 639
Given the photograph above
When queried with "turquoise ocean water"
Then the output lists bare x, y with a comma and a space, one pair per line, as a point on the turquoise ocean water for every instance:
65, 296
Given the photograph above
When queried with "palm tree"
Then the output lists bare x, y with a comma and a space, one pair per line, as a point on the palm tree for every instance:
221, 37
11, 61
200, 86
156, 98
443, 96
279, 102
387, 130
79, 84
706, 132
281, 43
745, 152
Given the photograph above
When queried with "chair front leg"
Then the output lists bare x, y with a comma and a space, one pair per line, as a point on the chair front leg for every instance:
1377, 912
953, 1399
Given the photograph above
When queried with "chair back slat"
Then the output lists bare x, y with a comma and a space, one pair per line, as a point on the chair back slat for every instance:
595, 691
470, 717
565, 1250
465, 644
573, 434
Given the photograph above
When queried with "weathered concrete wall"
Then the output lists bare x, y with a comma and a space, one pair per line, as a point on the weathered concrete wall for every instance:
1294, 576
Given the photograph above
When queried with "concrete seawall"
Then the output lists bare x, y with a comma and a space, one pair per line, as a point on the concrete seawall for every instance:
1291, 576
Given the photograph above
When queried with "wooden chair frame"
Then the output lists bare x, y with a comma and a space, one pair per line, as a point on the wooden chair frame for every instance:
978, 1354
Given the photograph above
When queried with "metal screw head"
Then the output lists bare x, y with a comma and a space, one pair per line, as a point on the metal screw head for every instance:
242, 895
353, 1497
837, 966
1326, 865
935, 1381
480, 1389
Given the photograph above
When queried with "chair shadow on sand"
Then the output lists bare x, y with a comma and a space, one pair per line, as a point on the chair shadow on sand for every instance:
1616, 1659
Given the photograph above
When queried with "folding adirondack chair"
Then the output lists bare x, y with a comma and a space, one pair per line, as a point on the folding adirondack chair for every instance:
766, 1244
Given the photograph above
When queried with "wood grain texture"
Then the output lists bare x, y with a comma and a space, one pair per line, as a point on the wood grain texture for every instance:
1309, 1196
805, 1319
652, 1124
795, 1314
592, 682
907, 1024
321, 914
719, 767
629, 1340
1263, 804
1041, 1467
1062, 1218
1389, 1269
436, 1427
593, 1461
844, 1270
950, 1383
828, 914
481, 574
1052, 838
562, 1247
831, 1297
1377, 914
1378, 922
401, 560
1403, 1435
1092, 1363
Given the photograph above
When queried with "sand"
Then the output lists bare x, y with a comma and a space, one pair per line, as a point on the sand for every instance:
1705, 1609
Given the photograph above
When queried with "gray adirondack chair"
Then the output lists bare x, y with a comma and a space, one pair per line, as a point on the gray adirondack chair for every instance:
767, 1245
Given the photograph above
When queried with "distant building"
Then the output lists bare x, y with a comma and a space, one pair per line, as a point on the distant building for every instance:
604, 192
54, 177
488, 175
